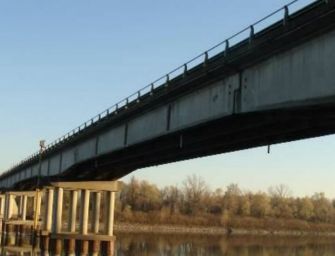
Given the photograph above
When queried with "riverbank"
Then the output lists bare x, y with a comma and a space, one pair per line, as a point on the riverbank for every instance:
198, 230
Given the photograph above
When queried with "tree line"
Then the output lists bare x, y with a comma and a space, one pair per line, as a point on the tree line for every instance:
195, 203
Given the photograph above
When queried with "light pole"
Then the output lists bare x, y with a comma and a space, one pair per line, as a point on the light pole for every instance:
38, 195
42, 148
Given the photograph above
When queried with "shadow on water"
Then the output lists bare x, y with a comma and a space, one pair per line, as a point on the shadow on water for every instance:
194, 245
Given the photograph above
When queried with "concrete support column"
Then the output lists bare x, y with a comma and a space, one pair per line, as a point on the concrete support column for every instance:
58, 209
20, 206
37, 209
73, 211
10, 236
9, 206
85, 202
49, 209
2, 206
24, 207
96, 212
109, 218
96, 222
38, 204
47, 221
71, 243
57, 220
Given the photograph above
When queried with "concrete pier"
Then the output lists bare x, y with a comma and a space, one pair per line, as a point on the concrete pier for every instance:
91, 202
16, 226
72, 221
58, 235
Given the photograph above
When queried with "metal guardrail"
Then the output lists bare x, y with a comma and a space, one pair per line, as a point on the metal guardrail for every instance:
281, 14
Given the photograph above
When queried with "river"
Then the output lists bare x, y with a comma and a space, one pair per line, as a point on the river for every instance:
166, 245
197, 245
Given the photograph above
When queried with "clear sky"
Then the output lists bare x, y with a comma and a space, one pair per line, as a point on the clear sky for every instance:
62, 62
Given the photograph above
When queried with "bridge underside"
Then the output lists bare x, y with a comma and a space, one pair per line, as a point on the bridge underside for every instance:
228, 134
277, 87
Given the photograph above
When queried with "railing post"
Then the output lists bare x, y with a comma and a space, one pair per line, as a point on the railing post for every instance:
185, 70
252, 33
226, 48
286, 14
205, 59
167, 82
152, 89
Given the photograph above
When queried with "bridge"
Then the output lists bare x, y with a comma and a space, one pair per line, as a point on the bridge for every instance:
259, 87
276, 85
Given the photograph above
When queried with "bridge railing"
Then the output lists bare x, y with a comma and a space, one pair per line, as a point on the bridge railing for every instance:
280, 15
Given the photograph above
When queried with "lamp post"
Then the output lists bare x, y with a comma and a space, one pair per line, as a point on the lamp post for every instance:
42, 148
37, 199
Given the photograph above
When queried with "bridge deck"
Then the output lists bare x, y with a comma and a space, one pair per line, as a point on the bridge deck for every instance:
275, 86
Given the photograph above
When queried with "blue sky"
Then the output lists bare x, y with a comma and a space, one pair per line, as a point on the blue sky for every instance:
62, 62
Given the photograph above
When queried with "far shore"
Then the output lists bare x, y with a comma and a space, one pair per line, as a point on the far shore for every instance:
198, 230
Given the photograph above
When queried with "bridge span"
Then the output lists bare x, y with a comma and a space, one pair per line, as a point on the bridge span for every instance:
276, 85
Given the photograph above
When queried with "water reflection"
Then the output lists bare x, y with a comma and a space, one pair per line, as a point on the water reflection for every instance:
167, 245
192, 245
19, 251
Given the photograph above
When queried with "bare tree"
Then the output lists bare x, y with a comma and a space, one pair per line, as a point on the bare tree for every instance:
280, 191
195, 188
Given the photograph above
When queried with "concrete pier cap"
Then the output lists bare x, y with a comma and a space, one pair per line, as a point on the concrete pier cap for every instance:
112, 186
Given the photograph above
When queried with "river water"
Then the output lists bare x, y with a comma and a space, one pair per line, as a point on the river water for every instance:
197, 245
227, 246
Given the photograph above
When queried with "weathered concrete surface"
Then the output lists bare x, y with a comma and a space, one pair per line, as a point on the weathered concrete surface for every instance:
148, 125
214, 101
112, 139
302, 75
54, 164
